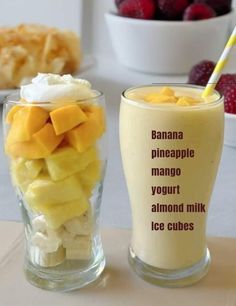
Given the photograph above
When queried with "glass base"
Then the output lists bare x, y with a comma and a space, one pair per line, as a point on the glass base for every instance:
170, 278
63, 281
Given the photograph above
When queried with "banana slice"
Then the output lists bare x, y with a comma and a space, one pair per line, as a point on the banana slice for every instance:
81, 225
39, 224
78, 254
45, 259
77, 242
48, 240
79, 248
46, 243
74, 238
66, 236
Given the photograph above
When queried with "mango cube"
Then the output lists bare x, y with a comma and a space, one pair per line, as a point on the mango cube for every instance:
47, 138
56, 215
186, 101
27, 149
167, 91
11, 113
27, 121
42, 144
67, 117
86, 134
160, 98
97, 113
182, 103
43, 191
67, 161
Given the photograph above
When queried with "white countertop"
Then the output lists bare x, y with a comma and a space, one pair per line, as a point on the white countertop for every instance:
118, 285
111, 78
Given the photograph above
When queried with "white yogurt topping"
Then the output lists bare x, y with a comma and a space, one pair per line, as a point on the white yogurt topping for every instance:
55, 88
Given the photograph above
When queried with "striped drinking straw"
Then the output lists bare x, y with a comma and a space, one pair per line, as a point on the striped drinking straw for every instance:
220, 65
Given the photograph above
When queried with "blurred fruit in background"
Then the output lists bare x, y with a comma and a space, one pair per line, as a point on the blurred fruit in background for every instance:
221, 7
28, 49
142, 9
173, 9
200, 75
198, 11
118, 2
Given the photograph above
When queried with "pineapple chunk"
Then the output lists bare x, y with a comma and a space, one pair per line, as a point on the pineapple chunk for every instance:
67, 117
91, 175
27, 121
67, 161
43, 191
25, 171
56, 215
88, 190
34, 166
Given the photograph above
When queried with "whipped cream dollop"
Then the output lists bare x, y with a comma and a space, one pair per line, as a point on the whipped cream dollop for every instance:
55, 88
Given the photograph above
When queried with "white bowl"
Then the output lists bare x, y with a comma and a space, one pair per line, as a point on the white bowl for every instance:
230, 130
167, 47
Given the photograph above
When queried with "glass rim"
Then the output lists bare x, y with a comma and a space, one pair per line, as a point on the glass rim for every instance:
162, 106
14, 98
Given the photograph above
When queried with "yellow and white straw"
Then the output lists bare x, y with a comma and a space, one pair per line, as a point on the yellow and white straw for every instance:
220, 65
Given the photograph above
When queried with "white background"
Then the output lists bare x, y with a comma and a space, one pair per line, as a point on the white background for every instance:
60, 13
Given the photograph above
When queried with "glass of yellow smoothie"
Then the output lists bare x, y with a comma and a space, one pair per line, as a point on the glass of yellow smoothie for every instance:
56, 143
171, 142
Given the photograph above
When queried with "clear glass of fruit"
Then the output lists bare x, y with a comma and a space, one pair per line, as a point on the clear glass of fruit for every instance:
57, 157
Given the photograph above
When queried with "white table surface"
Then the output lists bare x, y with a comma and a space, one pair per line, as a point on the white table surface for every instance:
111, 78
118, 285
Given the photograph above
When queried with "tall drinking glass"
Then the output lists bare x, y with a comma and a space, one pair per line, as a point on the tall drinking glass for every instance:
57, 171
170, 153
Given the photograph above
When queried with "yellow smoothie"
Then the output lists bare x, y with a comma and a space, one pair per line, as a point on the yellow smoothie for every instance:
171, 149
